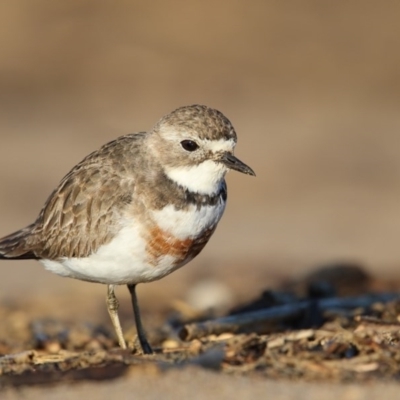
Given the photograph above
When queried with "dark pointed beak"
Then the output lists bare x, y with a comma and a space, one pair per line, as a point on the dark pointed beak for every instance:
232, 162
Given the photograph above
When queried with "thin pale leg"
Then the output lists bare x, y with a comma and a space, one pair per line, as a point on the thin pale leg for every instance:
139, 327
112, 307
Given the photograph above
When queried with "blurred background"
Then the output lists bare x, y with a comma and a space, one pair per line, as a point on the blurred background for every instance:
312, 88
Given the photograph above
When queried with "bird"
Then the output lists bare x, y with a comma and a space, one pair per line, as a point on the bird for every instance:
137, 209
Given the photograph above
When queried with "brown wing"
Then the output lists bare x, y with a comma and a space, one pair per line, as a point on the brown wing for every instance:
82, 213
12, 247
81, 216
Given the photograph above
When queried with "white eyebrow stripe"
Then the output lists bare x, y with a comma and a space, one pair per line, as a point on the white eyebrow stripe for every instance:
219, 145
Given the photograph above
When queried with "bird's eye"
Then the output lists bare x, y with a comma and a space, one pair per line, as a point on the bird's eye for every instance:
189, 145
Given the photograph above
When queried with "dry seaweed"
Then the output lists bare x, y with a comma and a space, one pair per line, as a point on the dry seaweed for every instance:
330, 338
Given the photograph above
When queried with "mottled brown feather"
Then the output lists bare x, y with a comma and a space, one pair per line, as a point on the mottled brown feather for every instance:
84, 211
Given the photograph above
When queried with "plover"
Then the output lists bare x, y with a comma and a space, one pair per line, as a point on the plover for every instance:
137, 209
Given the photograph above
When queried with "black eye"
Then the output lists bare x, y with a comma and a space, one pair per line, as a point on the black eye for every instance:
189, 145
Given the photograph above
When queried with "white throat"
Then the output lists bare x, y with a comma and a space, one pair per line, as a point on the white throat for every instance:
205, 178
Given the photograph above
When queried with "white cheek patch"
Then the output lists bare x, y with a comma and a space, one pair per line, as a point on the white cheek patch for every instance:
204, 178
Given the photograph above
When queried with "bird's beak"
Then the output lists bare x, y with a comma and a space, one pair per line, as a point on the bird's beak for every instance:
232, 162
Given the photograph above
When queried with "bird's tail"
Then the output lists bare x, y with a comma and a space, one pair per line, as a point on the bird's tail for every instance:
14, 246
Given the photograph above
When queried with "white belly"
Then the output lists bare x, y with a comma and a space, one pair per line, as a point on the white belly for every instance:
125, 259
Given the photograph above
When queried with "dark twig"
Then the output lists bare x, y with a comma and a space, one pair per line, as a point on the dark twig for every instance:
243, 321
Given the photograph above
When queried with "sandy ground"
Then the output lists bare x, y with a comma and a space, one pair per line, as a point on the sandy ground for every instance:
313, 90
199, 384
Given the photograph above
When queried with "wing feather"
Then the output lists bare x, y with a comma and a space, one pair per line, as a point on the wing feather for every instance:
83, 212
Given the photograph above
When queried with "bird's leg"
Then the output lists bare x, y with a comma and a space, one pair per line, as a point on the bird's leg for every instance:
112, 307
139, 327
